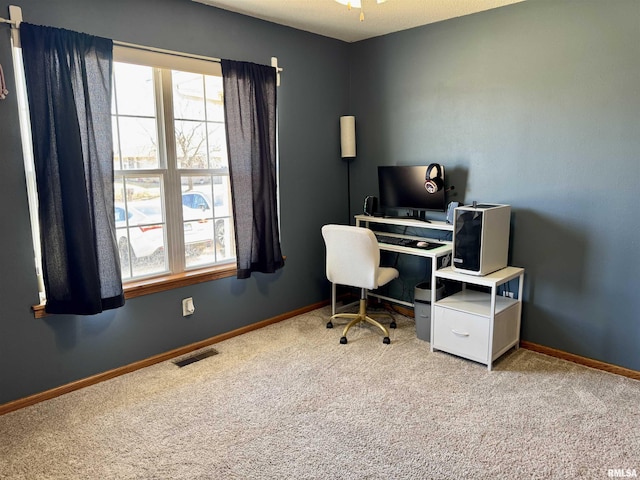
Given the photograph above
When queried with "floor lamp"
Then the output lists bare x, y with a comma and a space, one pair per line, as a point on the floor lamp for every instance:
348, 151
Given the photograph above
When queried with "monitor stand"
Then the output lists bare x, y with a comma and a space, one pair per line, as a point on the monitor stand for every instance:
419, 215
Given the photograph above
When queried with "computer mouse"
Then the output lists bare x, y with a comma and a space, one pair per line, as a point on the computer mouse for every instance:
422, 244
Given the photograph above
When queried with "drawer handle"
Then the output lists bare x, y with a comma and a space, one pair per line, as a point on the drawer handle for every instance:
460, 334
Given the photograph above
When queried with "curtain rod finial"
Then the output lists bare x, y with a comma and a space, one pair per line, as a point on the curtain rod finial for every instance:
15, 14
274, 64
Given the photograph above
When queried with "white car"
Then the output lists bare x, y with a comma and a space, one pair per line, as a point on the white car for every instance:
143, 237
141, 233
195, 200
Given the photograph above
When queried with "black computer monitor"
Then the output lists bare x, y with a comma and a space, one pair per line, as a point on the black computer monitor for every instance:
403, 188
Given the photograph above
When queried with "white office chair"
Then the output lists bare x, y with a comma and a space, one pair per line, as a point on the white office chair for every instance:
353, 259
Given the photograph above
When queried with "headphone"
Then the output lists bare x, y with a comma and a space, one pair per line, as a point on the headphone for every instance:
433, 183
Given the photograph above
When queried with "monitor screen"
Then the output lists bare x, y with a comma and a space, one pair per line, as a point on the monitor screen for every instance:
403, 187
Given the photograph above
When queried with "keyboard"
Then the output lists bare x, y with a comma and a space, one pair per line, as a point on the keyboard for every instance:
389, 240
407, 242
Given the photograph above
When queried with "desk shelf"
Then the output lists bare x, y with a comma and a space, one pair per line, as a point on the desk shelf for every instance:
405, 222
475, 303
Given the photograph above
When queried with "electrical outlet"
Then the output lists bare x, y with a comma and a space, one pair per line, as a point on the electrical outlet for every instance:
187, 307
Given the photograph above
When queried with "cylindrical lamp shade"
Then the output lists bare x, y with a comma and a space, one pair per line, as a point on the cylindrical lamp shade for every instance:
348, 136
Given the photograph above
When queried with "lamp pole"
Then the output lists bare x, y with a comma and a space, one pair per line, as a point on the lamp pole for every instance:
348, 159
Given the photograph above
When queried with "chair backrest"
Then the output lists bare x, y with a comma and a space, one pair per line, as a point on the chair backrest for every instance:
353, 256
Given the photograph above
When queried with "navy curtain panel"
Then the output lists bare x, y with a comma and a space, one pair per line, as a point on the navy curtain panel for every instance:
250, 116
68, 77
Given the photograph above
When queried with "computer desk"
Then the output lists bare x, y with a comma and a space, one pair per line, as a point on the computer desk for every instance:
440, 256
488, 339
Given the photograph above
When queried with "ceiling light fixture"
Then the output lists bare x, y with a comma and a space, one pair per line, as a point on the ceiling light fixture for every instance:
357, 4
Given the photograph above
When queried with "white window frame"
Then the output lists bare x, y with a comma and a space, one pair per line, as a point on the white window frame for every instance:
167, 146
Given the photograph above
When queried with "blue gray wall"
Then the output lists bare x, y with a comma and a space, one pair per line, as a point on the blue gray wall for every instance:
536, 105
36, 355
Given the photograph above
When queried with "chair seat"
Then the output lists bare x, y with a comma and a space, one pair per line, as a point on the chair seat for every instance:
386, 274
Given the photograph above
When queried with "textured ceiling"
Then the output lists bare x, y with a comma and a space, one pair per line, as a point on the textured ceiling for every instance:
329, 18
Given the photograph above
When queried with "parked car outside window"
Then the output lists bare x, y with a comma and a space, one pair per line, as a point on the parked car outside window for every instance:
141, 232
200, 202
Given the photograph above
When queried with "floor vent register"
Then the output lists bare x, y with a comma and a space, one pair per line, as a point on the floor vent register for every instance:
196, 357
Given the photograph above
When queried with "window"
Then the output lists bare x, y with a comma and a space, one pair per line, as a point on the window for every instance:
172, 192
171, 175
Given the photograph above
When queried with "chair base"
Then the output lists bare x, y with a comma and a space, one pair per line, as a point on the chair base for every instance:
356, 318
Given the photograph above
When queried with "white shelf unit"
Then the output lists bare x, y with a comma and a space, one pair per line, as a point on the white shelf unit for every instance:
434, 254
477, 325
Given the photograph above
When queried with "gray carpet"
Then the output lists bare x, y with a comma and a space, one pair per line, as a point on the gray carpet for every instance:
289, 402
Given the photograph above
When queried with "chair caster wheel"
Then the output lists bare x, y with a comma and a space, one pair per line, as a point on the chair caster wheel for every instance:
329, 324
393, 325
343, 340
386, 340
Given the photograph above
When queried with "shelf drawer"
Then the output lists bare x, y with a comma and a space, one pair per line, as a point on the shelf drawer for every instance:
460, 333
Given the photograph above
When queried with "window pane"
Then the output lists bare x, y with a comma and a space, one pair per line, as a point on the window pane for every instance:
140, 225
206, 201
198, 238
221, 196
138, 143
217, 146
191, 144
188, 96
116, 143
225, 240
135, 137
197, 214
215, 98
198, 100
225, 246
134, 90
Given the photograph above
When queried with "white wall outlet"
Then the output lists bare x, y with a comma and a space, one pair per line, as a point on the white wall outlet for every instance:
187, 307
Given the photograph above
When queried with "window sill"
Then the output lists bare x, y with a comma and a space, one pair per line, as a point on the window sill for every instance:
165, 282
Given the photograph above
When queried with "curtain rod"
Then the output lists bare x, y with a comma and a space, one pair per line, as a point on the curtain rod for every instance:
178, 54
16, 12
